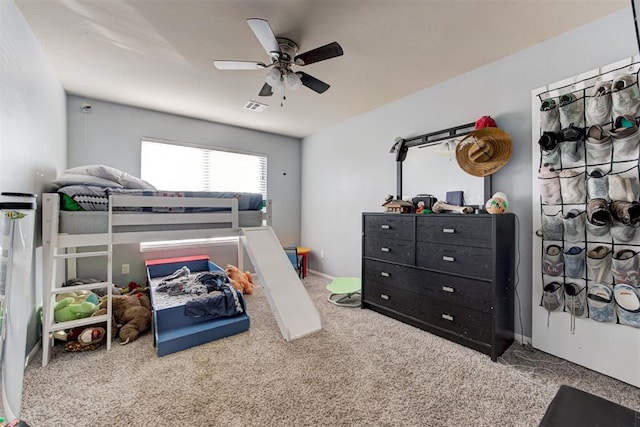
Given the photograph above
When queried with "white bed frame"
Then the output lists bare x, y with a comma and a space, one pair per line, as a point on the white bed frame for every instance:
58, 246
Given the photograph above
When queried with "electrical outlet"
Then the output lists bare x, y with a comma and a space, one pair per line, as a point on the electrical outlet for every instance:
321, 254
125, 268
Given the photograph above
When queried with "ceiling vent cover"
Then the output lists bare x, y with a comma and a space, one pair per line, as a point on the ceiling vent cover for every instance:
255, 106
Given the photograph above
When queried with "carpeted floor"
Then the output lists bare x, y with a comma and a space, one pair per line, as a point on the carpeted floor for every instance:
361, 369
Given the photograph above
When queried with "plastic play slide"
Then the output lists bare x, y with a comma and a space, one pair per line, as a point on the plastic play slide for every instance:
295, 313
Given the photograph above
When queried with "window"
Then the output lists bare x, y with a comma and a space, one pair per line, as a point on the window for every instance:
175, 167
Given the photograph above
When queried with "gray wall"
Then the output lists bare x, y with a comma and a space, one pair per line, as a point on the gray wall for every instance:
111, 133
32, 124
351, 167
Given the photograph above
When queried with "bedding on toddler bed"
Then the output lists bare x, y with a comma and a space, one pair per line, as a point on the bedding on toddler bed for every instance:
207, 293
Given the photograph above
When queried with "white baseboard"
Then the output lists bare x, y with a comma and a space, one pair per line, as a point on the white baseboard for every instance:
522, 339
321, 274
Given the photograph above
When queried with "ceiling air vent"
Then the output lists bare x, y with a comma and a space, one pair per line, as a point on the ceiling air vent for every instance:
255, 106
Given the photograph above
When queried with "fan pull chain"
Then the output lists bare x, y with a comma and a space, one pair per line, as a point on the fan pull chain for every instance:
284, 97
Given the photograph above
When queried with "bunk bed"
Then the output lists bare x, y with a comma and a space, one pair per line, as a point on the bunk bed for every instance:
131, 216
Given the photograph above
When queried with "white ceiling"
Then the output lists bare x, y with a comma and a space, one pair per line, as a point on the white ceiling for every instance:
158, 54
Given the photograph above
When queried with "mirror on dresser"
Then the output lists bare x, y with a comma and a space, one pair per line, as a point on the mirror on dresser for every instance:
427, 165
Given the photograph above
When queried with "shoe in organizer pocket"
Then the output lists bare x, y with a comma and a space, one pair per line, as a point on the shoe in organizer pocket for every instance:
624, 267
598, 212
575, 299
553, 261
625, 96
622, 186
621, 233
601, 304
572, 143
552, 226
572, 186
598, 104
628, 213
553, 296
598, 232
574, 260
549, 148
599, 145
598, 261
597, 186
573, 224
626, 137
549, 185
549, 116
627, 304
571, 109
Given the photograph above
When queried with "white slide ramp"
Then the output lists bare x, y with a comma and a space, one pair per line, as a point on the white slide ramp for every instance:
295, 313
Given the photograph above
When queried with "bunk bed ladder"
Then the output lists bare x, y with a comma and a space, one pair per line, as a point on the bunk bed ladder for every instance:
56, 250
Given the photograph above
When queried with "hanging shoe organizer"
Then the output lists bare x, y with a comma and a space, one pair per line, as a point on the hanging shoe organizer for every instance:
586, 213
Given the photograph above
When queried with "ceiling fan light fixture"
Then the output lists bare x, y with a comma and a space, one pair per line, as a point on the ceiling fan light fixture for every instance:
294, 81
273, 78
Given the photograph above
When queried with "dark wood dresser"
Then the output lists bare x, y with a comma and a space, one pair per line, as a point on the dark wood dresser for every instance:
449, 274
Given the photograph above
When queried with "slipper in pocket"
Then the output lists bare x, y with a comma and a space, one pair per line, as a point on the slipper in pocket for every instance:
553, 261
627, 304
601, 304
599, 264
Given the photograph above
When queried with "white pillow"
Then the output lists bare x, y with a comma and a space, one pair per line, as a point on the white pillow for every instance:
112, 174
78, 179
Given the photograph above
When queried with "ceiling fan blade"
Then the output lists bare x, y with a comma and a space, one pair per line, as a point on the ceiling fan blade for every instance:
321, 53
264, 33
312, 83
239, 65
266, 90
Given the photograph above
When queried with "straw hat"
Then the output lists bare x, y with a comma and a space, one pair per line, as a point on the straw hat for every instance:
484, 151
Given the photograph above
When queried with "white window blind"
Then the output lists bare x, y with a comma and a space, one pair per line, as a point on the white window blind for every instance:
175, 167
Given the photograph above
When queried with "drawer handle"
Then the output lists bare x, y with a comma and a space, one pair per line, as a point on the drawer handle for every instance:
384, 296
384, 274
448, 230
448, 289
385, 249
448, 258
447, 317
385, 226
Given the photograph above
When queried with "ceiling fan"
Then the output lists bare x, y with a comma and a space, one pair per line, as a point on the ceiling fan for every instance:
284, 55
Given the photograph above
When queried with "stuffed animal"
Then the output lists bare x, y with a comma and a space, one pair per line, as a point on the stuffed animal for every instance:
74, 305
132, 311
239, 280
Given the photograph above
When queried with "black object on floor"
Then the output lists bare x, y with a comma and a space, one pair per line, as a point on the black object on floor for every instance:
573, 407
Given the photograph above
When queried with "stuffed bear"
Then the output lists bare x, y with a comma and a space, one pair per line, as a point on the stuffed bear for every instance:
132, 311
239, 280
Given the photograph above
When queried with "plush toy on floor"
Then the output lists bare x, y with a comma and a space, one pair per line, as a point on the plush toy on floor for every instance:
239, 280
74, 305
132, 311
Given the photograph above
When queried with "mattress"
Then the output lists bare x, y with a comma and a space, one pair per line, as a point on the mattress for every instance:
89, 198
90, 222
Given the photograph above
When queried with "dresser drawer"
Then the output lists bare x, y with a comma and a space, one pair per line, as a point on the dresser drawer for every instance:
471, 293
402, 251
394, 226
455, 230
468, 261
469, 323
390, 274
